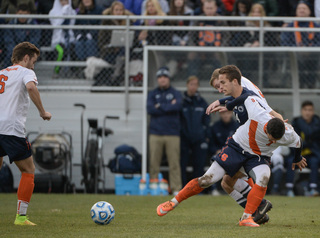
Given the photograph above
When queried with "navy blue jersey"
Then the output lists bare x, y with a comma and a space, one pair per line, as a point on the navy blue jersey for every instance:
237, 105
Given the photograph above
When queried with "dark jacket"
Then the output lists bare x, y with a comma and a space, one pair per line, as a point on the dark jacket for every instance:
12, 37
219, 132
288, 38
309, 133
165, 120
97, 10
194, 120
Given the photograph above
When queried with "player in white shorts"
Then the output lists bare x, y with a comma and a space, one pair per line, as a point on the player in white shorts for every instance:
18, 83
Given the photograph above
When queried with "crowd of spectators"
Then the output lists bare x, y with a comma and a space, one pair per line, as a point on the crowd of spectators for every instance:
79, 44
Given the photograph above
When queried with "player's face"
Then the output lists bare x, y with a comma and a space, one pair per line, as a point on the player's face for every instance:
307, 113
271, 138
216, 85
31, 61
226, 87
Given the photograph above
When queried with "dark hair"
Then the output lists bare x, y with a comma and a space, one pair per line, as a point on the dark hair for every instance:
306, 103
83, 9
247, 3
276, 128
232, 72
23, 7
22, 49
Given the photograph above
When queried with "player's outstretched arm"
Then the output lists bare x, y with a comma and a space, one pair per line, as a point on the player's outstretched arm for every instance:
35, 97
277, 115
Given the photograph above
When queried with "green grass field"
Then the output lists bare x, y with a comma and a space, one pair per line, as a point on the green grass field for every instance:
59, 215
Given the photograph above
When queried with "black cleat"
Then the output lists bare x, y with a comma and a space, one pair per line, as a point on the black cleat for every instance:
259, 215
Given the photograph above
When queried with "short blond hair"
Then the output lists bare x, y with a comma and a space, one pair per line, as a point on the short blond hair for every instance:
192, 77
214, 76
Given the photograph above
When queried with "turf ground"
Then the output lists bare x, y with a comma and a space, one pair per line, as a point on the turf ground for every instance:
59, 215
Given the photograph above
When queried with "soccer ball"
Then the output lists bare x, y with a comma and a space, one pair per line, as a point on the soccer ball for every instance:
102, 213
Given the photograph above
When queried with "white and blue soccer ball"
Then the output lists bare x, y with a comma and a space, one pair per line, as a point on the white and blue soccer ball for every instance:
102, 213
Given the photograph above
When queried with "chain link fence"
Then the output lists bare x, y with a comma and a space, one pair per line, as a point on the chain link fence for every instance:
106, 55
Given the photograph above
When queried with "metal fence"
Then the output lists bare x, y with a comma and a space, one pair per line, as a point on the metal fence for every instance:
85, 56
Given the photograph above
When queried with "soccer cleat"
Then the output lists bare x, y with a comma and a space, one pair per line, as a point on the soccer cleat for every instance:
23, 221
258, 216
248, 222
164, 208
263, 220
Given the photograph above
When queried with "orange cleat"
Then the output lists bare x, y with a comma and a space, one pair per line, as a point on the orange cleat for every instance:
248, 222
164, 208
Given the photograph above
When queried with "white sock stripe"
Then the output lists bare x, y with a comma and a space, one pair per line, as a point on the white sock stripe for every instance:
246, 190
241, 200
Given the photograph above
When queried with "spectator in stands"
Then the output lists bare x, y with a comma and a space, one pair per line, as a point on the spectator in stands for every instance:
252, 39
62, 39
113, 55
163, 4
133, 6
164, 106
270, 7
288, 7
308, 127
317, 8
308, 63
179, 8
44, 7
11, 7
194, 130
207, 38
14, 36
145, 37
86, 40
241, 9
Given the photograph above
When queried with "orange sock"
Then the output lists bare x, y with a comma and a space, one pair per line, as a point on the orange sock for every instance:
250, 182
26, 186
254, 198
191, 188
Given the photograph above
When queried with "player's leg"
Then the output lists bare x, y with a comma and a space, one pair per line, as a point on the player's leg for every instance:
1, 162
238, 187
25, 189
194, 187
261, 176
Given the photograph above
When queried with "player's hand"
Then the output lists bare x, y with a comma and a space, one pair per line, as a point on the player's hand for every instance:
220, 109
302, 164
285, 120
212, 106
46, 116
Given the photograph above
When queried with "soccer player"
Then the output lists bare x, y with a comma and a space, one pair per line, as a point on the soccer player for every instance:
236, 186
18, 83
250, 147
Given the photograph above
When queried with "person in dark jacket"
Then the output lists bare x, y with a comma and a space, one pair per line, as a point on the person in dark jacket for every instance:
12, 37
307, 62
194, 130
307, 127
164, 105
86, 44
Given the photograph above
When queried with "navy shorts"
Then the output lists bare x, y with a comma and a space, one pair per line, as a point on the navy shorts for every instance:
232, 158
17, 148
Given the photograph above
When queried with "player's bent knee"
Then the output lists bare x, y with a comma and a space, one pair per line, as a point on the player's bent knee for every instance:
206, 181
